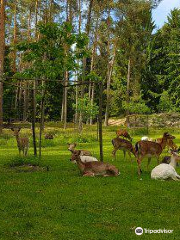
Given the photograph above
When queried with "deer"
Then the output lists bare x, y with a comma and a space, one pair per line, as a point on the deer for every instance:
123, 144
71, 148
170, 144
150, 149
48, 136
22, 142
124, 134
92, 169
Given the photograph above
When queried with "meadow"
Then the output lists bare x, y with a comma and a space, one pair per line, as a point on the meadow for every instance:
60, 204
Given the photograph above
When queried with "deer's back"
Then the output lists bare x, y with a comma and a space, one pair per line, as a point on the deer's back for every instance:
120, 142
147, 147
96, 166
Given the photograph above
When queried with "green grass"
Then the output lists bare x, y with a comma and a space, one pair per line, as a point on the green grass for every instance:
60, 204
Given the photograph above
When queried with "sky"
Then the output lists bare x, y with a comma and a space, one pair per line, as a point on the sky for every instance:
162, 11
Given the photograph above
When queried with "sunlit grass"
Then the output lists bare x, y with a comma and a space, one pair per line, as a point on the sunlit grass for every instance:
60, 204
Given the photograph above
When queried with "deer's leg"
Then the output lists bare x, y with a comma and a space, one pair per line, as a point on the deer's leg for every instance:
139, 166
175, 178
26, 150
124, 152
130, 155
111, 171
149, 160
88, 174
114, 152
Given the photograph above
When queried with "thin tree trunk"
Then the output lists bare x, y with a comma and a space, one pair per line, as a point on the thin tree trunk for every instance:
2, 52
77, 88
15, 36
36, 19
109, 76
42, 118
85, 59
26, 100
65, 99
128, 86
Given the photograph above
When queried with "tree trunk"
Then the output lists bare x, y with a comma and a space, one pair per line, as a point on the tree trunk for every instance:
36, 19
128, 86
2, 52
109, 76
15, 36
65, 99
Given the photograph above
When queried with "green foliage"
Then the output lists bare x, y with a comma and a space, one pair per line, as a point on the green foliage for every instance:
165, 103
136, 105
86, 108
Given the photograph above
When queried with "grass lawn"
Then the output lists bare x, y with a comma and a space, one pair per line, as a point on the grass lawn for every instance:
60, 204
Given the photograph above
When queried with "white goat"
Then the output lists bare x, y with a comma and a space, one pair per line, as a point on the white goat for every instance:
167, 171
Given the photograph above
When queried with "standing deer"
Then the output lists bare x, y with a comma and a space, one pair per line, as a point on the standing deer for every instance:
150, 149
123, 144
123, 133
92, 169
22, 142
71, 148
170, 144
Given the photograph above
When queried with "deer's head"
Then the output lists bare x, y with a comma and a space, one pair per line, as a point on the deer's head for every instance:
175, 155
16, 131
75, 156
168, 136
71, 146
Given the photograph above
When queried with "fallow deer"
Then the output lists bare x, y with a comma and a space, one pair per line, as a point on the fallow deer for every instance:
170, 144
123, 144
22, 142
71, 148
94, 168
48, 136
123, 133
150, 149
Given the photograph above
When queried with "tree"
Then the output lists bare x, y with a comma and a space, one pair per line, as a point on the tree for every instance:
2, 54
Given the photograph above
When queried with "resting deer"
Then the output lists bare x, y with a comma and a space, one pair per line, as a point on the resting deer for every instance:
94, 168
123, 133
48, 136
22, 142
123, 144
71, 148
150, 149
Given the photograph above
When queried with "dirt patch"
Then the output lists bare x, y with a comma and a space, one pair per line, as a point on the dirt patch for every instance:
30, 168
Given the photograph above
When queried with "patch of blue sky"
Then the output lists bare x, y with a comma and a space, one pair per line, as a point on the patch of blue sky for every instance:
161, 13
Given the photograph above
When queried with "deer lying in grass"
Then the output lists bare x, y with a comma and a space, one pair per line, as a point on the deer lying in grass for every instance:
48, 136
123, 133
22, 142
94, 168
123, 144
71, 148
150, 149
167, 171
